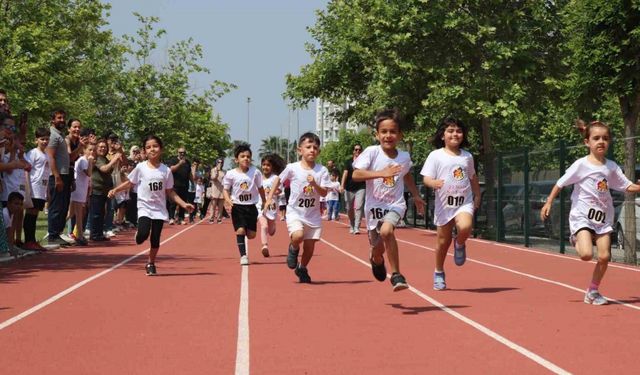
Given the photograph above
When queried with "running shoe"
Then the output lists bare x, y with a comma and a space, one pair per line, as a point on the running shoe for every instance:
244, 260
593, 297
82, 242
303, 275
171, 222
67, 238
292, 257
459, 253
151, 269
379, 270
33, 246
265, 251
398, 281
439, 281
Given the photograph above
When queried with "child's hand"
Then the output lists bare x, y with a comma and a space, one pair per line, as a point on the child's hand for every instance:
111, 193
391, 170
229, 202
189, 207
476, 203
311, 180
437, 184
544, 212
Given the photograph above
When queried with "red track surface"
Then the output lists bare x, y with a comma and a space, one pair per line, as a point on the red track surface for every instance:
508, 310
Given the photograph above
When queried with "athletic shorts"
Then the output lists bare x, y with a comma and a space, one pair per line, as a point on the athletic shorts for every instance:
309, 233
38, 203
244, 216
390, 217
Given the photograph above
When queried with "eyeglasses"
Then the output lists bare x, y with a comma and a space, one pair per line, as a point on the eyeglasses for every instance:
357, 149
182, 152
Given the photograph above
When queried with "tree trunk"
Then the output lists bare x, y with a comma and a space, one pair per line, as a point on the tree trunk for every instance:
488, 158
630, 107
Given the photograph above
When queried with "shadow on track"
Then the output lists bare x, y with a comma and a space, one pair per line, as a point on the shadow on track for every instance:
410, 310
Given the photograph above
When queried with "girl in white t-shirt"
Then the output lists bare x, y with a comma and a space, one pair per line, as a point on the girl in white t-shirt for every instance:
199, 197
82, 174
308, 182
450, 171
272, 165
591, 215
155, 183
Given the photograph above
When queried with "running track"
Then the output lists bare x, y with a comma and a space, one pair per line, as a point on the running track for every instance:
508, 310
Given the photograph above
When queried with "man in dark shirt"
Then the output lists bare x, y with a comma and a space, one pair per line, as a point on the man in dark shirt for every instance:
182, 174
354, 192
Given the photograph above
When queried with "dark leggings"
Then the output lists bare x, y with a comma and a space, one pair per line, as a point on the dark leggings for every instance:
148, 226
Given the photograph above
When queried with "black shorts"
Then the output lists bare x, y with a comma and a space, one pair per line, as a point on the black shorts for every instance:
38, 203
244, 216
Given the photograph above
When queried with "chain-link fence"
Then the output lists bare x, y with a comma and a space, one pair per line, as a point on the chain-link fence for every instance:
513, 198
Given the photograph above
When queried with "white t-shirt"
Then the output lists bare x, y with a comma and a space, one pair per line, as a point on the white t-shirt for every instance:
591, 203
304, 201
7, 217
243, 187
199, 193
334, 191
455, 195
39, 174
82, 180
152, 186
13, 181
271, 211
383, 194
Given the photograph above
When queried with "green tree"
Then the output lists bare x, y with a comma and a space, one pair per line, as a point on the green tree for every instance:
277, 145
604, 41
342, 150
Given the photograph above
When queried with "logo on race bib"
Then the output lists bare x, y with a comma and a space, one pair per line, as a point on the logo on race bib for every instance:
389, 181
307, 190
458, 173
244, 186
602, 186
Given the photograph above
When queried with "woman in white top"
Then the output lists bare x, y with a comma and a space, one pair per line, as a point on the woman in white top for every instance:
591, 215
155, 184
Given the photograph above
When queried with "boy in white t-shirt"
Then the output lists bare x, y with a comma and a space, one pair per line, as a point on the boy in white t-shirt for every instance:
39, 178
386, 171
242, 190
198, 200
309, 182
333, 196
82, 174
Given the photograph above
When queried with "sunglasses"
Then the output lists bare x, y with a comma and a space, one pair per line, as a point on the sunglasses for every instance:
357, 149
182, 153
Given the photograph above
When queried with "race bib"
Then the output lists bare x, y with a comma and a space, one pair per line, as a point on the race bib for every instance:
306, 202
454, 201
377, 213
596, 216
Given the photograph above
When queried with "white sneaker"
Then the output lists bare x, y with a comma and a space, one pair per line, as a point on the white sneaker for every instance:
244, 260
87, 233
67, 238
109, 234
593, 297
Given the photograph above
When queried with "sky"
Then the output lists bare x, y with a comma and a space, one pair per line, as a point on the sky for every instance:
250, 43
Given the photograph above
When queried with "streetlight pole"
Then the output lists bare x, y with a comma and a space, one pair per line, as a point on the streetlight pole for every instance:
248, 102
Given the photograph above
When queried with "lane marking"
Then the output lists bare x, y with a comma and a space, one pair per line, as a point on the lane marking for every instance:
524, 274
242, 347
80, 284
492, 334
539, 252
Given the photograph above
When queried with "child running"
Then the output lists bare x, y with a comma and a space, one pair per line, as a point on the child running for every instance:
450, 171
591, 214
242, 190
155, 183
272, 166
308, 182
386, 172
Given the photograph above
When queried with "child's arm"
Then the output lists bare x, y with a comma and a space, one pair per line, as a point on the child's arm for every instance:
344, 180
417, 199
435, 184
546, 209
269, 200
125, 185
176, 198
227, 197
364, 174
633, 188
262, 196
321, 190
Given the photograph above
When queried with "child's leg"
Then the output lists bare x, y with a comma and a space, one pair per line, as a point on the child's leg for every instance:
271, 226
603, 244
29, 224
240, 241
263, 230
464, 225
307, 252
296, 239
442, 244
144, 229
390, 245
79, 214
584, 244
156, 231
251, 234
18, 220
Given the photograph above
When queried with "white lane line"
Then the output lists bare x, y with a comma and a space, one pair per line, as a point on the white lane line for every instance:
82, 283
501, 339
539, 252
242, 348
582, 291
